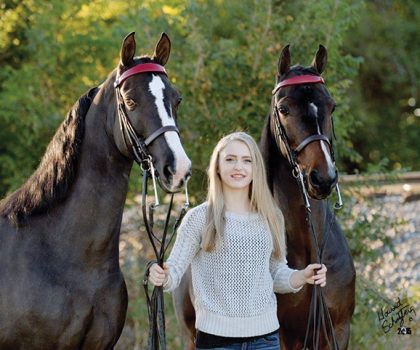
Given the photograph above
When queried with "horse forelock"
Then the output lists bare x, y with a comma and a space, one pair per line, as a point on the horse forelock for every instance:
51, 181
301, 70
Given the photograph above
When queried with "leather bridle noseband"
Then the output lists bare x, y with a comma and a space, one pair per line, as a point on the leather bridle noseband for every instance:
135, 144
281, 134
319, 315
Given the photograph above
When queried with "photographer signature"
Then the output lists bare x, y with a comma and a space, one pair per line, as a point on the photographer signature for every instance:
397, 314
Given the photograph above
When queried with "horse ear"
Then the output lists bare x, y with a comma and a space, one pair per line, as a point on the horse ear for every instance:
284, 61
128, 49
320, 59
162, 50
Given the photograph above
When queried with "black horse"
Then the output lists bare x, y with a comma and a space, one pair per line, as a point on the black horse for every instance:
61, 286
304, 118
297, 138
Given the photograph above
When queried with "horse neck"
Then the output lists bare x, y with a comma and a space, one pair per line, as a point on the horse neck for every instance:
289, 198
93, 211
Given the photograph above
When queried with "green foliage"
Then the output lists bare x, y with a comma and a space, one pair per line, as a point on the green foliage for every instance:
385, 94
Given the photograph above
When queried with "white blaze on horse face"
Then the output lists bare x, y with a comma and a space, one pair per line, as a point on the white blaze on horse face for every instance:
315, 112
331, 167
182, 162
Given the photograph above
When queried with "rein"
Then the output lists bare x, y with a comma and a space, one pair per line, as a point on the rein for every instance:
318, 310
155, 302
138, 148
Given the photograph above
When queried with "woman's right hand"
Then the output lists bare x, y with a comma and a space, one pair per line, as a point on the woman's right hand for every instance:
158, 276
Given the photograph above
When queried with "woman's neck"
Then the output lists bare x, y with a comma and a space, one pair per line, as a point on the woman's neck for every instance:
237, 201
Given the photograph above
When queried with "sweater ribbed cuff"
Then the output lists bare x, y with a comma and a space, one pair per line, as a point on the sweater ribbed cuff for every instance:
282, 281
293, 290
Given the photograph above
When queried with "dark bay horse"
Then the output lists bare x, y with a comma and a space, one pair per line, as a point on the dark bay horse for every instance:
61, 286
305, 111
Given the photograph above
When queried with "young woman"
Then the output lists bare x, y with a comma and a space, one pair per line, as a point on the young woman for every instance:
235, 243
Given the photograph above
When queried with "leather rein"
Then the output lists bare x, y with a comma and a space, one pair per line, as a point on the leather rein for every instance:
137, 146
319, 315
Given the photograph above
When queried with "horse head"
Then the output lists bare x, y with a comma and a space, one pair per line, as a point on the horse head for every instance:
145, 128
301, 117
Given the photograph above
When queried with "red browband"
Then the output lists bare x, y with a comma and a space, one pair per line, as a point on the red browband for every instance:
140, 68
298, 80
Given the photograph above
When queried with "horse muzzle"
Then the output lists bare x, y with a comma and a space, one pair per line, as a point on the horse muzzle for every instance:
173, 179
320, 186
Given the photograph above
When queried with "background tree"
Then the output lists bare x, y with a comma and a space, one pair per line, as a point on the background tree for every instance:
385, 97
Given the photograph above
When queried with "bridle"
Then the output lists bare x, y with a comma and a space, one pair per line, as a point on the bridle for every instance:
138, 148
281, 134
133, 143
319, 315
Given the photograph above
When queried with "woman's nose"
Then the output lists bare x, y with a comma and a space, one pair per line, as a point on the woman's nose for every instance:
237, 165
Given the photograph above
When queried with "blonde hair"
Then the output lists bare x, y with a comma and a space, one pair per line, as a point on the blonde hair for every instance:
261, 199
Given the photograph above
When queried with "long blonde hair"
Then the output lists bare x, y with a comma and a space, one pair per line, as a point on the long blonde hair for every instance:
261, 199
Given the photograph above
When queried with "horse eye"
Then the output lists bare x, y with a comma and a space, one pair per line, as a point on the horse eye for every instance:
283, 110
333, 109
177, 103
131, 104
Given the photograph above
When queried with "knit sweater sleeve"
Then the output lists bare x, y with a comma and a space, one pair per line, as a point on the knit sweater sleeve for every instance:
186, 246
281, 273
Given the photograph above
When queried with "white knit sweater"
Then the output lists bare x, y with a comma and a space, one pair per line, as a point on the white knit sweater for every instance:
233, 286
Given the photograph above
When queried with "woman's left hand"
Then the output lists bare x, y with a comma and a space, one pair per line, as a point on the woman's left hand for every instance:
318, 277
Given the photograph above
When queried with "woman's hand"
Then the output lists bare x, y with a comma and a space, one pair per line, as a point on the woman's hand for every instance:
158, 276
315, 274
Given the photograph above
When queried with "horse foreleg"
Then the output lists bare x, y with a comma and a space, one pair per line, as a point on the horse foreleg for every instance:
184, 310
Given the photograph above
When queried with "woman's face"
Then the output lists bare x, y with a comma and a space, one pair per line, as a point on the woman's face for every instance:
235, 166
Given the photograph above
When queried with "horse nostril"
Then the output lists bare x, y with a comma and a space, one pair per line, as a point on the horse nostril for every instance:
318, 181
169, 171
314, 175
188, 175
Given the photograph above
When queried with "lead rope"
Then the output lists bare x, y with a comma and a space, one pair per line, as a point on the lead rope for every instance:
155, 302
318, 308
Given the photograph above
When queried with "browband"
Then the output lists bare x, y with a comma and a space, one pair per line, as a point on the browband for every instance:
140, 68
299, 80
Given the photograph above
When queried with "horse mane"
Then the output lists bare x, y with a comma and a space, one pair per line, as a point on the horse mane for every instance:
51, 181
